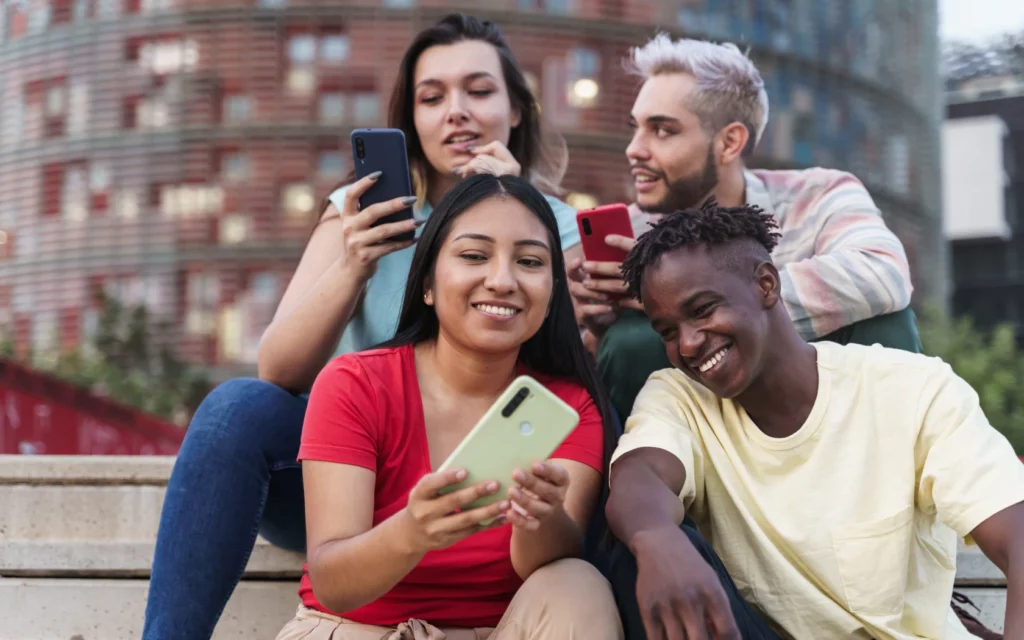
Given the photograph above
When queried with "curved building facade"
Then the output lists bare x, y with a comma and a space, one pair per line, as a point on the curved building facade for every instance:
174, 152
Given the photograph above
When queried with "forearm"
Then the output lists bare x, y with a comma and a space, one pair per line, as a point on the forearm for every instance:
297, 344
1014, 622
558, 537
347, 574
640, 502
860, 284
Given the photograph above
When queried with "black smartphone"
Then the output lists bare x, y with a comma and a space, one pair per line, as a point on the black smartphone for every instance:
383, 150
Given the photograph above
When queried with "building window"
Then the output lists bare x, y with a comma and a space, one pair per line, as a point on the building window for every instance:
6, 245
331, 108
191, 200
202, 298
584, 67
301, 81
152, 113
273, 4
330, 165
365, 108
298, 200
75, 194
237, 108
234, 229
302, 49
334, 48
399, 4
127, 203
235, 166
169, 56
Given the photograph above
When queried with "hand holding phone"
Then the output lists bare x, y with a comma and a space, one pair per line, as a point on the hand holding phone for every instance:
606, 234
436, 521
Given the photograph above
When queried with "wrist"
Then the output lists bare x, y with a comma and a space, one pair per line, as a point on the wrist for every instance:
651, 539
404, 539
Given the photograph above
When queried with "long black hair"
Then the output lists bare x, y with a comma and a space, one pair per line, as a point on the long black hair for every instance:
557, 347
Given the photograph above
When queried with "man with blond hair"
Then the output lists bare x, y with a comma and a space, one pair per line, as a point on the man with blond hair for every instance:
698, 117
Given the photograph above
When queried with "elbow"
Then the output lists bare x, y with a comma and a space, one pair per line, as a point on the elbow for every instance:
272, 368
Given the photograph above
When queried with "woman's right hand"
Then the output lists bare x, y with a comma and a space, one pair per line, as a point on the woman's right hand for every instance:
435, 522
366, 244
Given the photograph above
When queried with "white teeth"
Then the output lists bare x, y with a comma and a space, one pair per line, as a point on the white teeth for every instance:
713, 360
645, 179
499, 311
458, 139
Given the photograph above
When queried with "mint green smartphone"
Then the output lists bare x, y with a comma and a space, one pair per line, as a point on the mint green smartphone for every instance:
526, 424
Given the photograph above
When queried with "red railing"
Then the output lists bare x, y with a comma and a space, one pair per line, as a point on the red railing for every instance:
41, 414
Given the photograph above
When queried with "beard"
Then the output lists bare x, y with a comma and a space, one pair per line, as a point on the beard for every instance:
687, 192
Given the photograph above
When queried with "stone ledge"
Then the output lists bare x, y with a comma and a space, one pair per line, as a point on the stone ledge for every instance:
48, 609
118, 559
88, 470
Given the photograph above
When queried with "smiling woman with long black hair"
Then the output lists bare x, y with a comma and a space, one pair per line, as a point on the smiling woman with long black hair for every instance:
486, 301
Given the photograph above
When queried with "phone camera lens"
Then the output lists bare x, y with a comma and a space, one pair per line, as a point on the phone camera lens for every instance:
523, 392
360, 149
586, 226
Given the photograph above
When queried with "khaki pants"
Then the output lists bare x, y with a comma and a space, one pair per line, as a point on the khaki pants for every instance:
565, 600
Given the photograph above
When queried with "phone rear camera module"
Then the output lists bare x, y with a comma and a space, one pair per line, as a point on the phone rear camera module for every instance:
586, 226
525, 428
360, 148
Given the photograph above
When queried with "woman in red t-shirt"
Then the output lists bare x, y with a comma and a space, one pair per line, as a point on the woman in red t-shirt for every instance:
486, 300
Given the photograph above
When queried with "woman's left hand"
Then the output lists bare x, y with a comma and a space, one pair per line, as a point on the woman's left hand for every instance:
540, 494
493, 157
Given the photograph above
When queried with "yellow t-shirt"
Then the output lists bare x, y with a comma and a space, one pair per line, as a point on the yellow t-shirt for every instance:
847, 528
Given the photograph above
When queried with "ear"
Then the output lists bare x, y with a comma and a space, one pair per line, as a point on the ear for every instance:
428, 293
769, 284
517, 117
732, 140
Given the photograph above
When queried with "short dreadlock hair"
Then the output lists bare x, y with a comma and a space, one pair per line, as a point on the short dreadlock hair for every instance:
711, 225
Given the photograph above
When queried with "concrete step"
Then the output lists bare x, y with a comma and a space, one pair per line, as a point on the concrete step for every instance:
64, 609
95, 517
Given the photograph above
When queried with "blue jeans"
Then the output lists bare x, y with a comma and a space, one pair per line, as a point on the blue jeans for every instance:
236, 475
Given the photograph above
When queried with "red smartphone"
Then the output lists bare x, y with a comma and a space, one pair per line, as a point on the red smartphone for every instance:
595, 224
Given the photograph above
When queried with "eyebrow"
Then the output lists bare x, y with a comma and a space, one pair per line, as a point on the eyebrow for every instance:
656, 120
518, 243
692, 299
471, 77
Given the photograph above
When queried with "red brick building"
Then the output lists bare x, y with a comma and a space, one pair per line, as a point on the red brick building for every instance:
174, 151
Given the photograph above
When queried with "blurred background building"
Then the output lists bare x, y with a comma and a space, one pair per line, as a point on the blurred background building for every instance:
983, 179
174, 152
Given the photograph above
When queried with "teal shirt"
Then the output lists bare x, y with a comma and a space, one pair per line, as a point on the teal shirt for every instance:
377, 317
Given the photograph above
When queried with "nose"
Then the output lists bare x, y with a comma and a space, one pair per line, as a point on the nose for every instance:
457, 112
501, 278
691, 341
637, 149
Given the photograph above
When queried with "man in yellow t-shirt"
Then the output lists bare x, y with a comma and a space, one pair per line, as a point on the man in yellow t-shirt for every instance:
829, 484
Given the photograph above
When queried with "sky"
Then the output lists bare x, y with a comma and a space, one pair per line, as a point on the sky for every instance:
975, 20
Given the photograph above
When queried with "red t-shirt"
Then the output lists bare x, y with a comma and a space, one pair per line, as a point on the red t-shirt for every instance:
365, 410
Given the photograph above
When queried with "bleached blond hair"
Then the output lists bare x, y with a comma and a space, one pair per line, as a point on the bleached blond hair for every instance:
729, 88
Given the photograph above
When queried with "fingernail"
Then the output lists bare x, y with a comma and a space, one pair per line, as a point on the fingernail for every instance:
471, 147
493, 486
460, 474
516, 494
504, 505
539, 466
375, 175
419, 223
409, 199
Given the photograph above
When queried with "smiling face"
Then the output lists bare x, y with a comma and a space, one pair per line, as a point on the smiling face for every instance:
712, 306
461, 100
493, 277
671, 156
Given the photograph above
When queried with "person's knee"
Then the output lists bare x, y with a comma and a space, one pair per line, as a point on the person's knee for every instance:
576, 597
239, 412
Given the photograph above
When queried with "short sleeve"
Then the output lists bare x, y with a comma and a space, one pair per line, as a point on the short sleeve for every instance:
337, 197
586, 443
565, 215
660, 420
967, 471
340, 423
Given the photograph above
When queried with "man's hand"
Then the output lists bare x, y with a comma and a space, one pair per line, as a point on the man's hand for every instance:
679, 594
599, 291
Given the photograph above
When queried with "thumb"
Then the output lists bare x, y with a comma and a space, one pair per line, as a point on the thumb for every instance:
620, 242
